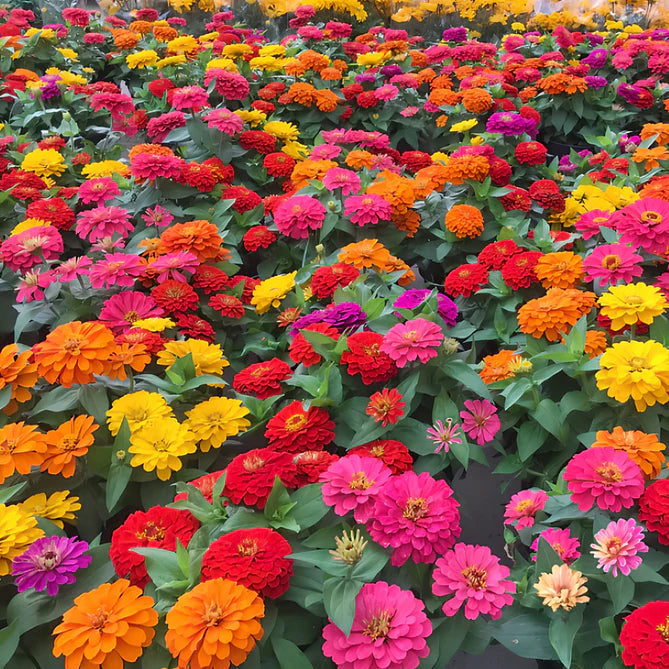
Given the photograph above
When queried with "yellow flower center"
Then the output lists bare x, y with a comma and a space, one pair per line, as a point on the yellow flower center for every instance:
98, 619
377, 451
378, 626
151, 532
212, 615
415, 508
68, 443
359, 481
611, 261
477, 578
614, 545
634, 300
521, 506
637, 364
296, 422
609, 472
248, 547
664, 630
371, 350
48, 560
651, 217
410, 335
131, 316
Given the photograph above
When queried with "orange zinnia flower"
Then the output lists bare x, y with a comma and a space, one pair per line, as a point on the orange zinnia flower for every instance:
496, 367
66, 443
555, 313
660, 129
563, 269
126, 39
644, 449
164, 33
153, 149
395, 265
650, 157
307, 170
302, 93
595, 343
657, 187
444, 97
17, 370
476, 100
357, 159
464, 220
106, 627
74, 352
215, 624
326, 100
460, 168
562, 83
365, 253
396, 190
134, 356
20, 448
200, 238
409, 222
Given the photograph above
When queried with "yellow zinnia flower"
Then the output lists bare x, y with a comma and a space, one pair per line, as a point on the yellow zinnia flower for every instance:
222, 64
627, 304
56, 508
138, 409
270, 292
141, 59
254, 117
154, 324
159, 445
44, 163
215, 420
105, 168
207, 358
287, 132
70, 54
27, 224
563, 588
636, 369
463, 126
17, 531
170, 60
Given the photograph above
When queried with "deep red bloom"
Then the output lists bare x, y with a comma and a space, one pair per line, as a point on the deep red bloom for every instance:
296, 429
278, 164
386, 406
151, 340
645, 635
326, 280
496, 255
205, 484
546, 193
198, 176
175, 296
465, 280
227, 305
159, 527
54, 210
261, 141
209, 279
531, 153
250, 476
364, 357
367, 99
195, 327
415, 160
257, 237
249, 284
302, 351
394, 454
262, 379
654, 509
518, 272
245, 199
517, 200
309, 465
254, 558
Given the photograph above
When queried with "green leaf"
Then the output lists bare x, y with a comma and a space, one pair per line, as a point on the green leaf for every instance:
309, 505
289, 655
515, 390
529, 439
9, 640
5, 396
548, 415
609, 631
324, 561
546, 557
56, 400
7, 493
117, 481
562, 631
525, 635
373, 560
621, 590
445, 640
161, 565
339, 599
461, 452
463, 373
95, 401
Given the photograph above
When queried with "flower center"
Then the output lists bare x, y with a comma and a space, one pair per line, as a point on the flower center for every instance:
72, 345
614, 546
259, 371
377, 451
131, 316
379, 626
98, 619
609, 472
151, 532
371, 350
475, 577
611, 261
68, 443
415, 508
637, 364
296, 422
248, 547
359, 481
664, 630
410, 336
49, 559
212, 614
634, 300
253, 463
651, 217
522, 506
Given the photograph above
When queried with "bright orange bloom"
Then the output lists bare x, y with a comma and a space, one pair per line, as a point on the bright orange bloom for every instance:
302, 93
441, 81
460, 168
357, 159
562, 83
395, 265
657, 187
141, 27
660, 129
444, 97
66, 443
409, 222
365, 253
563, 269
200, 238
134, 356
426, 75
476, 100
496, 367
330, 74
307, 170
313, 60
396, 190
463, 72
74, 352
20, 448
165, 33
435, 177
17, 370
418, 58
126, 39
595, 343
153, 149
651, 157
326, 100
645, 449
106, 627
555, 313
295, 68
464, 220
214, 625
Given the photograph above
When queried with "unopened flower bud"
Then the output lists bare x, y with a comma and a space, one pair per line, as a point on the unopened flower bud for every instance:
349, 547
120, 456
450, 345
332, 205
518, 365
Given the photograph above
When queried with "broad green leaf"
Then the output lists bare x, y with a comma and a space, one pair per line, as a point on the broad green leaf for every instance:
289, 655
562, 631
339, 599
525, 635
531, 436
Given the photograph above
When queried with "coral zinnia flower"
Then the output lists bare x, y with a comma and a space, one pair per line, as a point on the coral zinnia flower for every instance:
365, 253
415, 339
18, 530
635, 369
201, 238
386, 406
645, 449
296, 429
496, 367
215, 420
523, 507
74, 352
390, 630
627, 304
255, 558
215, 624
476, 578
394, 454
645, 636
563, 588
107, 627
21, 447
563, 269
617, 546
366, 358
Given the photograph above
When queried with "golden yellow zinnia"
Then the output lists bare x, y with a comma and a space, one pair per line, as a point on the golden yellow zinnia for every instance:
215, 420
207, 358
627, 304
270, 292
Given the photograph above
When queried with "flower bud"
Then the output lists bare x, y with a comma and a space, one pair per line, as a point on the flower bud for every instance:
450, 345
349, 547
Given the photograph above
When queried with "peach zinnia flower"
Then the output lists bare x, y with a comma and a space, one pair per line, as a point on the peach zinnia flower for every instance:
559, 270
20, 448
74, 352
66, 443
563, 588
645, 449
214, 624
106, 627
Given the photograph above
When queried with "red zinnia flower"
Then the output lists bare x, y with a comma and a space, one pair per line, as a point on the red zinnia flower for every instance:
175, 296
278, 164
250, 476
496, 255
466, 279
645, 636
263, 379
365, 357
296, 429
261, 141
394, 454
326, 280
205, 484
531, 153
259, 236
245, 199
209, 279
518, 272
198, 176
546, 193
227, 305
53, 210
302, 351
654, 509
249, 286
309, 465
386, 406
518, 199
195, 327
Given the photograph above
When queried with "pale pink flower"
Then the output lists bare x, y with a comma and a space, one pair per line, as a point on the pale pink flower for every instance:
444, 435
617, 546
325, 152
480, 420
408, 112
417, 339
117, 269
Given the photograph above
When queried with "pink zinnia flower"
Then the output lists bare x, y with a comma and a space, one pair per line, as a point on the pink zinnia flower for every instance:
31, 247
151, 166
98, 190
416, 516
158, 216
352, 483
523, 507
347, 180
72, 268
325, 152
617, 546
117, 269
604, 476
612, 263
480, 420
591, 223
444, 435
231, 85
117, 103
160, 127
103, 222
417, 339
120, 311
367, 209
644, 223
224, 120
32, 286
386, 92
474, 576
389, 630
561, 542
171, 265
297, 215
408, 112
189, 97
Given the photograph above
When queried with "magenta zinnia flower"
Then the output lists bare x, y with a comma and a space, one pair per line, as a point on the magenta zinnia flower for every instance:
591, 223
444, 435
561, 542
72, 268
644, 223
94, 224
617, 546
474, 576
25, 250
98, 190
158, 216
347, 180
120, 311
171, 265
613, 264
415, 339
367, 209
117, 269
160, 127
480, 420
224, 120
189, 97
389, 630
604, 476
32, 286
299, 214
523, 507
352, 483
416, 516
49, 563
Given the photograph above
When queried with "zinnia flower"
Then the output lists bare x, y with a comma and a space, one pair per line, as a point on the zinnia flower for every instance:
18, 530
645, 449
214, 624
366, 358
644, 636
464, 221
644, 224
629, 303
296, 429
21, 448
215, 420
367, 209
415, 339
654, 509
612, 263
563, 269
480, 420
416, 516
107, 626
444, 436
603, 476
386, 406
523, 507
262, 379
474, 576
561, 542
563, 588
390, 630
617, 546
298, 215
271, 292
49, 563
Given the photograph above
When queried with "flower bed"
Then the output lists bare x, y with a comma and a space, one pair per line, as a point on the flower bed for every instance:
264, 302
